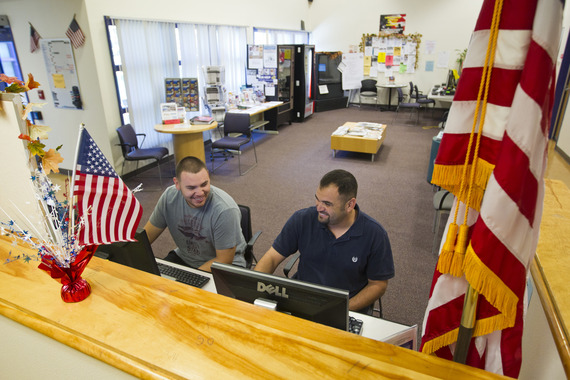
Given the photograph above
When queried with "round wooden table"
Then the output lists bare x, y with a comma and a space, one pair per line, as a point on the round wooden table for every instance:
187, 138
390, 86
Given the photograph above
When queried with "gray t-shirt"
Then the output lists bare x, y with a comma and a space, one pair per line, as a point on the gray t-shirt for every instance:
199, 232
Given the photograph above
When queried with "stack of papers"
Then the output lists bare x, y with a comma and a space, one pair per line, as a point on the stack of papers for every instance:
365, 130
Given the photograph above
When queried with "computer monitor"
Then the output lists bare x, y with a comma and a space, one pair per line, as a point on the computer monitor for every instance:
317, 303
135, 254
451, 80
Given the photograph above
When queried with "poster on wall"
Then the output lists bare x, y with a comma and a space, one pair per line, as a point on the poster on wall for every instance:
255, 56
62, 75
394, 23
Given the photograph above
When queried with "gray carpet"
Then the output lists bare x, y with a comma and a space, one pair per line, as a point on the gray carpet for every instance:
393, 189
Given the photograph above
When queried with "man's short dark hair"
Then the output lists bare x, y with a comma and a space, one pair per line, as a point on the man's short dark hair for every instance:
343, 180
190, 164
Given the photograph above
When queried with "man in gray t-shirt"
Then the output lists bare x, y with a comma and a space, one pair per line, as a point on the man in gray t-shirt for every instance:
204, 221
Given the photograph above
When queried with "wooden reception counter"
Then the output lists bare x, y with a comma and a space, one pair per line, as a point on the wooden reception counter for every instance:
154, 328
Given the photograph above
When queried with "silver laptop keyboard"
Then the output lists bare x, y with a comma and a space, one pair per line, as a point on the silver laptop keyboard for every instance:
180, 275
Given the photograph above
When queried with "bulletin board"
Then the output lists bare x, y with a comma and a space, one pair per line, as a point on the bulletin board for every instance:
62, 75
390, 53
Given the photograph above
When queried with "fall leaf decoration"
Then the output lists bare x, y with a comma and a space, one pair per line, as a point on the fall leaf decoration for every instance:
16, 85
31, 83
51, 159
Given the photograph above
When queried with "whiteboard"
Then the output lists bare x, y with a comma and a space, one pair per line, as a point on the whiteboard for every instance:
61, 71
352, 67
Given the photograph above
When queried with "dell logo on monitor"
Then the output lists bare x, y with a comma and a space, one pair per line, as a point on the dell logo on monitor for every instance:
270, 289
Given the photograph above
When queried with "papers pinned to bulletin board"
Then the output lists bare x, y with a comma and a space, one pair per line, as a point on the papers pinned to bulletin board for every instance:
62, 75
390, 52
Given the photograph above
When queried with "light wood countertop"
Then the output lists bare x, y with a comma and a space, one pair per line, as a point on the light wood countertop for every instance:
155, 328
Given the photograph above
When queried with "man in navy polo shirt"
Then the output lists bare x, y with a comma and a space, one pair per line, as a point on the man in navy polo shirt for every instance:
339, 245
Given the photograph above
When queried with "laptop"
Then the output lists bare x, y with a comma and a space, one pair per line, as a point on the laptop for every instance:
139, 255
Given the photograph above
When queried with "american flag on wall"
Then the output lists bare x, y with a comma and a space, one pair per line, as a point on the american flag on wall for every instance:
506, 201
34, 39
109, 209
75, 34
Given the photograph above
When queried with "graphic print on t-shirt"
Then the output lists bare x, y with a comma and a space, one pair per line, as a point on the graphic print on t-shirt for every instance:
191, 229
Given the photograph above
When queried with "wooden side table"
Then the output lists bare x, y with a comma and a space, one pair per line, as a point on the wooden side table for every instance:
357, 143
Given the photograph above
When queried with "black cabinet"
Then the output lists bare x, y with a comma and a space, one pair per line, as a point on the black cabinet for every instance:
328, 82
303, 102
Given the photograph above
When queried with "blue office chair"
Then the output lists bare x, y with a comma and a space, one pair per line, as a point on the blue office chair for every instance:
410, 106
424, 100
237, 133
132, 152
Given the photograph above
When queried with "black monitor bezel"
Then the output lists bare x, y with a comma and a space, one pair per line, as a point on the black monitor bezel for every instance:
334, 313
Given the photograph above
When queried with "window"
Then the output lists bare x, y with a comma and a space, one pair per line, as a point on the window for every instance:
144, 53
262, 36
9, 63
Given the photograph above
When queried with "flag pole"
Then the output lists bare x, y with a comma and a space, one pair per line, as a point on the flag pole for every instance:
70, 227
467, 325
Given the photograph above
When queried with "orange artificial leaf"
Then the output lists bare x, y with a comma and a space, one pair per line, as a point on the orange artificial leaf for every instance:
24, 137
9, 80
31, 83
51, 161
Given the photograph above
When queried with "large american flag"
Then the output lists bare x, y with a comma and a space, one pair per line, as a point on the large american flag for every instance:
75, 34
506, 202
109, 209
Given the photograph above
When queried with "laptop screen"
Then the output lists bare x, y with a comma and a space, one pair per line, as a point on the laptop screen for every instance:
136, 255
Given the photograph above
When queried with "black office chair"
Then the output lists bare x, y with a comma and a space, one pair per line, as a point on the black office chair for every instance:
410, 106
249, 236
442, 203
235, 124
133, 152
368, 90
376, 310
424, 100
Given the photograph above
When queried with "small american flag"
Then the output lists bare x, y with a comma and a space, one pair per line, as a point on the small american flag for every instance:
75, 34
109, 209
34, 39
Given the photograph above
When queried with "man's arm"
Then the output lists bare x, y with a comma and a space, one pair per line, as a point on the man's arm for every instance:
225, 256
152, 231
269, 262
368, 295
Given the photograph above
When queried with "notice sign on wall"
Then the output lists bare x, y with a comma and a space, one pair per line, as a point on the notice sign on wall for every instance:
62, 76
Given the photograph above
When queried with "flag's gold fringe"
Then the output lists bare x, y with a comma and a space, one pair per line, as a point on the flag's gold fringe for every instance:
488, 284
449, 178
436, 343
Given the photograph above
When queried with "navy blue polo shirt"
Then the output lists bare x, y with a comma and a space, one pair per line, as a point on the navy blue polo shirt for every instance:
362, 253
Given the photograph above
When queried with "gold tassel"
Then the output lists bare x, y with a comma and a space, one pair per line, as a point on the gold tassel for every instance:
446, 256
456, 268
